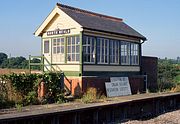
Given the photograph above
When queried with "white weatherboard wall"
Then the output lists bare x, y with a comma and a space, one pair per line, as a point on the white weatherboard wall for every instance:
119, 86
62, 21
58, 19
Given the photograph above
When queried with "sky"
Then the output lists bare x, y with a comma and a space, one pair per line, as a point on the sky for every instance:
157, 20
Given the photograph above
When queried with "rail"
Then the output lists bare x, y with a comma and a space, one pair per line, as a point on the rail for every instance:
48, 66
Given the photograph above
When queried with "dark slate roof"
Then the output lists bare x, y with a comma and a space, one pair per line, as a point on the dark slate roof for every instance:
95, 21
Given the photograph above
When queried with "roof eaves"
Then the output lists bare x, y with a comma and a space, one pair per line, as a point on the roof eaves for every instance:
142, 38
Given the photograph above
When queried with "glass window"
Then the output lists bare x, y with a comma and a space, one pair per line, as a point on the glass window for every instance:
73, 48
46, 46
102, 51
125, 53
114, 51
58, 49
58, 45
134, 54
88, 49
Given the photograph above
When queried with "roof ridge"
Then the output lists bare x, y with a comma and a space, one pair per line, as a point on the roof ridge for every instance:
89, 12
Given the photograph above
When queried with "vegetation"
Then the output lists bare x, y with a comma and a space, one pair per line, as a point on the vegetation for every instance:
16, 62
21, 89
90, 96
18, 90
168, 74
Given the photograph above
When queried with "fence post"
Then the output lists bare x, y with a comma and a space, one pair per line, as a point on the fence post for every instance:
62, 81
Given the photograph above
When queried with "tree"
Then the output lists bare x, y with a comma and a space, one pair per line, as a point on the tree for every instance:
35, 60
167, 71
3, 57
17, 62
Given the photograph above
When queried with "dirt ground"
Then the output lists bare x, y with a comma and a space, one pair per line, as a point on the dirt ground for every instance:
8, 71
167, 118
17, 71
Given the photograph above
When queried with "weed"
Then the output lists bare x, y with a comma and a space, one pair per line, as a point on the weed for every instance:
90, 96
19, 107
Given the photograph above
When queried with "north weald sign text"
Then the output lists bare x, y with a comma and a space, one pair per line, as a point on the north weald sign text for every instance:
59, 31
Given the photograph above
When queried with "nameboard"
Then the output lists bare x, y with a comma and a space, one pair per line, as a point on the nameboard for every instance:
119, 86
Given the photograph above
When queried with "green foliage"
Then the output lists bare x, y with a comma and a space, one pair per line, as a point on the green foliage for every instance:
53, 87
5, 103
177, 79
35, 60
3, 57
31, 98
19, 106
167, 73
16, 62
26, 85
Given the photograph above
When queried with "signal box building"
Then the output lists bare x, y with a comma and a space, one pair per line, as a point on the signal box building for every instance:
89, 48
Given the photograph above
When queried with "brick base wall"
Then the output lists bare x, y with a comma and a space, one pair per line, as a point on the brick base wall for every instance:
79, 85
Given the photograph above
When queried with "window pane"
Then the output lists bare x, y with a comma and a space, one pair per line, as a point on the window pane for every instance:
46, 46
54, 50
58, 49
77, 49
54, 42
77, 57
73, 57
73, 48
89, 49
69, 49
73, 40
62, 49
125, 53
69, 41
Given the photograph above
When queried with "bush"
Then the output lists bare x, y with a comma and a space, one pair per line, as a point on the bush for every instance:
31, 98
90, 96
54, 92
165, 86
4, 103
22, 88
24, 83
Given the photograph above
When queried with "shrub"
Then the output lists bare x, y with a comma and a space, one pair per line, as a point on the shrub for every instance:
166, 86
22, 88
31, 98
90, 96
54, 92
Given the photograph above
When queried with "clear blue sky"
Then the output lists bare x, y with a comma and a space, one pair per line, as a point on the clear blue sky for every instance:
158, 20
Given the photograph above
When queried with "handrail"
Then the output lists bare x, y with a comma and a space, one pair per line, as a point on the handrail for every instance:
42, 59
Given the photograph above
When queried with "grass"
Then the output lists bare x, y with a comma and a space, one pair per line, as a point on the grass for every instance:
177, 79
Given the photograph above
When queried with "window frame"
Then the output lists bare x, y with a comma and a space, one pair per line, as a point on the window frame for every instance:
75, 44
126, 51
135, 53
102, 52
89, 42
44, 48
113, 53
57, 44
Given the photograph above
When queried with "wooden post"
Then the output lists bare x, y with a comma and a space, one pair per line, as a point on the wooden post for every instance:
41, 90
